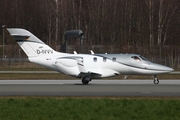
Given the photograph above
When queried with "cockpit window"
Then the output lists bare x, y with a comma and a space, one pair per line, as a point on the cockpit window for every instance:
143, 58
136, 58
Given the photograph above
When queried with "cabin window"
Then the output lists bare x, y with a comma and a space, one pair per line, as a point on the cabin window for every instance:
136, 58
95, 59
113, 59
104, 59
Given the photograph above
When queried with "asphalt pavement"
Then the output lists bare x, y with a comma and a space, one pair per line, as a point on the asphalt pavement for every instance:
96, 88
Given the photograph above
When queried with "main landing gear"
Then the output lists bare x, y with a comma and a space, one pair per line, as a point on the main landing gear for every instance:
156, 80
85, 81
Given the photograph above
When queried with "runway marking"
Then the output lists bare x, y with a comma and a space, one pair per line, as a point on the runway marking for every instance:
146, 92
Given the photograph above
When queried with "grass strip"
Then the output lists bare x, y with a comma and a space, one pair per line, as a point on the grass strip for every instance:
89, 109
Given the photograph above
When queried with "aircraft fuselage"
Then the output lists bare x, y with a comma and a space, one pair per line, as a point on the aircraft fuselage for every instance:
105, 65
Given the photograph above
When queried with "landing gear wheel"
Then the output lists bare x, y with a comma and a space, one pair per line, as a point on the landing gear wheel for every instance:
156, 81
85, 82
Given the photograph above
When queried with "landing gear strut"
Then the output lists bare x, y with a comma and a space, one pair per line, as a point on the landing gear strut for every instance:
156, 80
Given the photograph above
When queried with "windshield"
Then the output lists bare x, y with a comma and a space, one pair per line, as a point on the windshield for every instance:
143, 58
139, 58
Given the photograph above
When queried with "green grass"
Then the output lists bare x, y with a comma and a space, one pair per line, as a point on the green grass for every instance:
89, 109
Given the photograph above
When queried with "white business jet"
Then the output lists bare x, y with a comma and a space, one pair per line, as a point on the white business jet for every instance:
85, 66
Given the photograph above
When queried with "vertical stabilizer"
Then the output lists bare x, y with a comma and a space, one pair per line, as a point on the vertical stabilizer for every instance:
31, 45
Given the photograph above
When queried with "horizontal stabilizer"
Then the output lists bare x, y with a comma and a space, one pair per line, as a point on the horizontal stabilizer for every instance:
23, 35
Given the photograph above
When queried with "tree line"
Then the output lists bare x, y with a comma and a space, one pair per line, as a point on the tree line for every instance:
104, 22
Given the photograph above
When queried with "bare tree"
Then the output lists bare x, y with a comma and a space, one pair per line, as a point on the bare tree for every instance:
150, 4
167, 24
160, 24
57, 20
166, 11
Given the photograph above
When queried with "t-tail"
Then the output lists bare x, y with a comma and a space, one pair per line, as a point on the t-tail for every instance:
31, 45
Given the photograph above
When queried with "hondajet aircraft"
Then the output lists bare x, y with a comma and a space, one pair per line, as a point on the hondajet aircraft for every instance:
85, 66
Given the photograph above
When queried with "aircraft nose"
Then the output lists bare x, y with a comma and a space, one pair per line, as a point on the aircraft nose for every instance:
168, 69
162, 68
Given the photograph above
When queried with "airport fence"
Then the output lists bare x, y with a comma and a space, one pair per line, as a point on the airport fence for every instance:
17, 63
165, 55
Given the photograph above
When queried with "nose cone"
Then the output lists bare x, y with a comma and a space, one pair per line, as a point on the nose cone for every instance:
160, 69
168, 69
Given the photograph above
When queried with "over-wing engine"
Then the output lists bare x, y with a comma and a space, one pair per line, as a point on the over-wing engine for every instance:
67, 66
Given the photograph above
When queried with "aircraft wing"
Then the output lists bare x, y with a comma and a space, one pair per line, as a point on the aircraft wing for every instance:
89, 74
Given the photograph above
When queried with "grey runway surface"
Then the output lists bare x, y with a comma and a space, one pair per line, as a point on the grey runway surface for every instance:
116, 88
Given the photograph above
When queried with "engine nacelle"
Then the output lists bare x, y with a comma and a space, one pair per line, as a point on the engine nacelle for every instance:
67, 66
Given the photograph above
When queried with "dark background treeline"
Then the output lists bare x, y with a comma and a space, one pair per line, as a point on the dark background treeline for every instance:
147, 27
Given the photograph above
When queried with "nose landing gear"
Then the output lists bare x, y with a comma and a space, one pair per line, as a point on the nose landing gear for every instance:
156, 80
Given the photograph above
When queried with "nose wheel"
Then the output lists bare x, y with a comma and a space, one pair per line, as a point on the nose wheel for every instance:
156, 80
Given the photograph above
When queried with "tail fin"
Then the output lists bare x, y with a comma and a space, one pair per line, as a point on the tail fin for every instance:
30, 44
